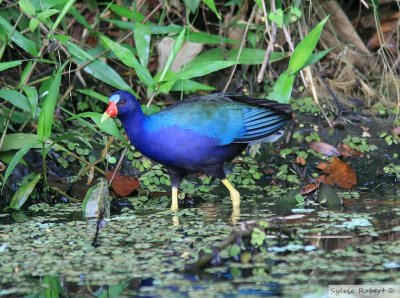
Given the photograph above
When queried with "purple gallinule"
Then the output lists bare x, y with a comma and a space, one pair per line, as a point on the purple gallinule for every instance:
199, 134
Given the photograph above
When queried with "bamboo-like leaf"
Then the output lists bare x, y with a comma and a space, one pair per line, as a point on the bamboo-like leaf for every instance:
16, 141
201, 69
315, 57
32, 95
108, 126
7, 65
46, 117
17, 99
15, 160
129, 59
23, 193
189, 85
27, 7
283, 88
304, 49
211, 5
177, 46
64, 11
142, 35
98, 69
94, 94
23, 42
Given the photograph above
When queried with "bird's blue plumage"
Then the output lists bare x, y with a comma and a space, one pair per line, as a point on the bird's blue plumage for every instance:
201, 133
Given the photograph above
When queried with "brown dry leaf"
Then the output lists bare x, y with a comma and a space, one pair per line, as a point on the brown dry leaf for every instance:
340, 173
322, 166
123, 185
300, 161
387, 28
324, 148
396, 130
346, 151
187, 53
2, 167
306, 189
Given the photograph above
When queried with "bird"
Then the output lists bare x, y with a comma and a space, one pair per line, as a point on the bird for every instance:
199, 134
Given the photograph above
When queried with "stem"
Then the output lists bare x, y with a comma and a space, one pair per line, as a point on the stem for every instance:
241, 48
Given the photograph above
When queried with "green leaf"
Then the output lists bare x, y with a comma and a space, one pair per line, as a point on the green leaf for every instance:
277, 17
202, 37
177, 46
94, 94
129, 59
127, 13
7, 65
33, 24
304, 49
283, 88
27, 7
45, 14
98, 69
79, 18
64, 11
315, 57
250, 56
20, 40
201, 69
16, 141
211, 5
192, 5
17, 157
46, 117
142, 35
108, 126
189, 85
17, 99
25, 73
23, 193
32, 95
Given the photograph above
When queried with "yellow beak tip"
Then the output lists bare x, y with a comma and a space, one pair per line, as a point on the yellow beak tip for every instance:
104, 117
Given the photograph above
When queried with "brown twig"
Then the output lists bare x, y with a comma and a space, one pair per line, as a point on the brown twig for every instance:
118, 165
241, 48
272, 39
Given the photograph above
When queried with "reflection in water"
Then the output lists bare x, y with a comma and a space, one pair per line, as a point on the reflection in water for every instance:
142, 254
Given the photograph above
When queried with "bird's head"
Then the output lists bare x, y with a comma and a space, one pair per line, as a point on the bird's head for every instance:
120, 103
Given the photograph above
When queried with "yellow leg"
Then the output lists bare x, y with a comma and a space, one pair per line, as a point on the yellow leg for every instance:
235, 196
174, 205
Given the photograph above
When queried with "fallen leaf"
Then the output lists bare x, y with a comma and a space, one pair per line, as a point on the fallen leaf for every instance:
187, 53
300, 161
346, 151
324, 148
123, 185
306, 189
322, 166
340, 173
396, 130
386, 30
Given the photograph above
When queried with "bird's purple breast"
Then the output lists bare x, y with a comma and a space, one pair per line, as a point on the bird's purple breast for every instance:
184, 148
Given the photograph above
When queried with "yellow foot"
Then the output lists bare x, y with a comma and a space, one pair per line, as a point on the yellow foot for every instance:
235, 216
175, 221
174, 204
235, 195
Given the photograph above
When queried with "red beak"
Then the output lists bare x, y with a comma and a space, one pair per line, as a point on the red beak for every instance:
111, 111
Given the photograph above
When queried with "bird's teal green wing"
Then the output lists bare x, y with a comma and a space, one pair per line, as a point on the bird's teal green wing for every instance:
226, 118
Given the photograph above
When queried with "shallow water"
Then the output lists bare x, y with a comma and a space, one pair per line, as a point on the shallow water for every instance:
144, 253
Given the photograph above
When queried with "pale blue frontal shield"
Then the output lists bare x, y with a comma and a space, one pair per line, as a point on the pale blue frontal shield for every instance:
115, 98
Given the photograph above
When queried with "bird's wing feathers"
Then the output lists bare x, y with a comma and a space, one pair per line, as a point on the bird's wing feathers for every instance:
227, 118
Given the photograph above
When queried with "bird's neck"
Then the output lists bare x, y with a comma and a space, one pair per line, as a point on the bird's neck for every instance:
134, 127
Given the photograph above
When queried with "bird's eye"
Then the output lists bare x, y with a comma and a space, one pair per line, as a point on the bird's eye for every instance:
122, 103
